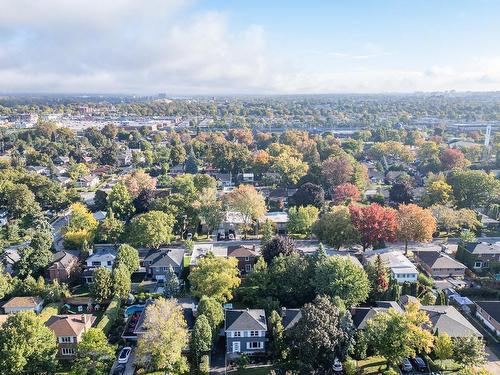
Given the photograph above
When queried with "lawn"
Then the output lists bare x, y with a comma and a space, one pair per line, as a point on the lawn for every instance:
49, 310
372, 365
80, 291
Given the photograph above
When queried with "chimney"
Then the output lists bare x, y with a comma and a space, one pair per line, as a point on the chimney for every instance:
84, 319
283, 312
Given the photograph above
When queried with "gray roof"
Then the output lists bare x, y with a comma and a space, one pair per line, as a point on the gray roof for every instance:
361, 315
246, 320
437, 260
389, 304
165, 257
406, 299
492, 308
483, 248
290, 317
447, 319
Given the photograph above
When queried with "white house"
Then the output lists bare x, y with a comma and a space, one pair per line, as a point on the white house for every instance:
402, 269
18, 304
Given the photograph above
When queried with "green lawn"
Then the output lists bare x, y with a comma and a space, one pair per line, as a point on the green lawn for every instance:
49, 310
372, 365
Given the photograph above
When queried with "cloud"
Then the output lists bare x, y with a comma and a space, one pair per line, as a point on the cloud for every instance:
155, 46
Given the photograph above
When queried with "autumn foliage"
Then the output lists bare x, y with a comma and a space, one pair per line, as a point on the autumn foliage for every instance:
376, 224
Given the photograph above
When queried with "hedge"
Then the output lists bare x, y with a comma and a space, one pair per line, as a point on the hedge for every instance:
110, 315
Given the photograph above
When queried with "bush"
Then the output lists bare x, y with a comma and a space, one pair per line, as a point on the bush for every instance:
424, 280
204, 367
390, 371
110, 315
350, 366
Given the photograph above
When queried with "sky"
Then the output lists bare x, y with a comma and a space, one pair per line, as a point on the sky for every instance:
219, 47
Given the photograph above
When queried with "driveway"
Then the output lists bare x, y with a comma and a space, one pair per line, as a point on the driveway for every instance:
493, 364
130, 368
218, 358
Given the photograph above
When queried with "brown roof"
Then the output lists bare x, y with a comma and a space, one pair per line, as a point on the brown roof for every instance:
63, 259
23, 302
241, 251
70, 325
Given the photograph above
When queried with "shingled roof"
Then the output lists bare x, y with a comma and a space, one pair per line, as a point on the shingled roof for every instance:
246, 320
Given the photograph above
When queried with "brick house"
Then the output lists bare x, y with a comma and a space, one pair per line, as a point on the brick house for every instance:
68, 330
246, 257
63, 266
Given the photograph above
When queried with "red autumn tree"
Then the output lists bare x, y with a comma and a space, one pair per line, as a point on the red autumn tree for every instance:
345, 193
453, 158
375, 223
415, 224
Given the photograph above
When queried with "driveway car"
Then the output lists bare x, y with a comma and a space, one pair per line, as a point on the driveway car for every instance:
124, 355
406, 365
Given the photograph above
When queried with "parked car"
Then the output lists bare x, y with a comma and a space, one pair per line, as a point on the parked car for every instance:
406, 365
124, 354
420, 363
119, 369
337, 365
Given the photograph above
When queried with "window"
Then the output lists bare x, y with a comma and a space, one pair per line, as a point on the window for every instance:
255, 345
248, 267
110, 263
247, 259
65, 339
237, 334
96, 263
254, 333
477, 264
67, 351
236, 347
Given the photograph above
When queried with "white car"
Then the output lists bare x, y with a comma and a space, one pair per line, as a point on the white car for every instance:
337, 365
124, 354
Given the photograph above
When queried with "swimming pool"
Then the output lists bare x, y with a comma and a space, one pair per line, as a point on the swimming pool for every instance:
133, 309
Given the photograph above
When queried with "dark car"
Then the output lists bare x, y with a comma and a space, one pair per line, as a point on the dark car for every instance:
420, 364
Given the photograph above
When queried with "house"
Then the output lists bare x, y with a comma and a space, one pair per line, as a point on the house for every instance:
68, 330
44, 171
478, 255
9, 258
405, 299
438, 264
488, 222
61, 160
63, 180
245, 331
157, 262
88, 182
278, 197
63, 266
223, 179
246, 257
246, 178
489, 313
59, 170
402, 270
102, 256
279, 219
229, 227
447, 319
201, 250
290, 317
361, 315
17, 304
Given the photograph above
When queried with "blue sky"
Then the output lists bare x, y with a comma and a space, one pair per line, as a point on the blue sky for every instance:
231, 47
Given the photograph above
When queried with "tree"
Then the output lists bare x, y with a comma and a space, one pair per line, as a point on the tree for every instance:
340, 276
398, 335
289, 167
415, 224
309, 194
378, 276
345, 194
452, 158
102, 285
27, 347
473, 189
335, 228
401, 192
467, 236
94, 355
247, 201
213, 311
276, 336
151, 229
191, 165
267, 233
469, 351
443, 346
110, 229
322, 333
43, 237
160, 347
121, 281
375, 224
212, 210
137, 181
120, 201
215, 277
32, 262
280, 245
20, 200
77, 170
201, 338
127, 256
437, 192
172, 283
81, 227
5, 282
301, 219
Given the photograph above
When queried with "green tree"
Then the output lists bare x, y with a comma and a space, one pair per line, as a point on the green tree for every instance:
102, 286
121, 281
267, 233
120, 201
152, 229
335, 228
443, 346
248, 202
160, 347
473, 188
94, 355
340, 276
110, 229
172, 283
5, 282
27, 347
128, 257
301, 219
81, 227
276, 336
213, 311
469, 351
32, 262
201, 338
20, 200
215, 277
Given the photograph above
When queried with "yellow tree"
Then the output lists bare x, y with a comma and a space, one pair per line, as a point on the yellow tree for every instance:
248, 202
415, 224
81, 227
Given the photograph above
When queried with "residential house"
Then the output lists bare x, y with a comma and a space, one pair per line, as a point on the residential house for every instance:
489, 313
61, 160
361, 315
478, 255
44, 171
102, 256
4, 219
9, 258
87, 182
245, 331
447, 319
100, 215
488, 222
68, 330
438, 264
223, 179
246, 257
246, 178
17, 304
402, 270
157, 262
200, 250
279, 219
63, 180
63, 266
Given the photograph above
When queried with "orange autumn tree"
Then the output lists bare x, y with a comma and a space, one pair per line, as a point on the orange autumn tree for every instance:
415, 224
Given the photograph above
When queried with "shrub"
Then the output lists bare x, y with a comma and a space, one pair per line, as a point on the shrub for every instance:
350, 366
425, 280
110, 315
204, 367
